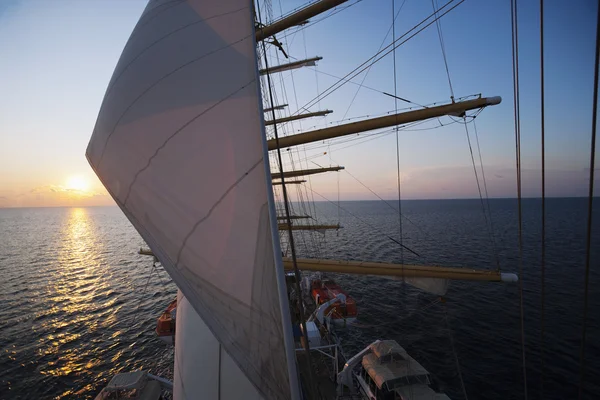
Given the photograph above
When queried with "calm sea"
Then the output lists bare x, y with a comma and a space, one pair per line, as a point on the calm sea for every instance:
77, 304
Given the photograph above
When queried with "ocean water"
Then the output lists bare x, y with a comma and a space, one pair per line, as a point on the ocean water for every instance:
78, 304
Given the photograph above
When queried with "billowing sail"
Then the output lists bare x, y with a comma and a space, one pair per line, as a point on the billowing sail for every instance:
179, 144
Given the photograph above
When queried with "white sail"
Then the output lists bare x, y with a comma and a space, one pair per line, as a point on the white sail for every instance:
202, 368
437, 286
179, 144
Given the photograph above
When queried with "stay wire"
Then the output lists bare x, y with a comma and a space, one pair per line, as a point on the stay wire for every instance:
516, 105
485, 216
312, 388
137, 310
377, 57
397, 139
443, 47
369, 69
588, 246
384, 201
487, 199
366, 223
462, 382
543, 149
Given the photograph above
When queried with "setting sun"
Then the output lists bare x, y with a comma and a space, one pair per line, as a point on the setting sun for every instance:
78, 183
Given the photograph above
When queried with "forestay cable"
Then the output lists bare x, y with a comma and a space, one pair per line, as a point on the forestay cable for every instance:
515, 68
588, 246
543, 148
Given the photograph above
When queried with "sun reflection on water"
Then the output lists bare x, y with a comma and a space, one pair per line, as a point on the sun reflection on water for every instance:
78, 285
68, 298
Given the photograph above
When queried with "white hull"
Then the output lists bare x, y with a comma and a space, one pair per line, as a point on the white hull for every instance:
203, 370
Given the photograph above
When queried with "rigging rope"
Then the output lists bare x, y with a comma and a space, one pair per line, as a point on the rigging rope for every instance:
368, 224
137, 310
543, 266
588, 246
369, 69
311, 381
374, 59
397, 141
462, 383
487, 198
313, 210
485, 217
515, 69
443, 46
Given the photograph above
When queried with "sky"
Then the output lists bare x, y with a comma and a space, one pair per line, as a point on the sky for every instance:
58, 56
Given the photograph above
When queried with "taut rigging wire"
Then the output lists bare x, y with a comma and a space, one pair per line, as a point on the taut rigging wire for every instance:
311, 381
588, 245
443, 46
543, 266
515, 69
379, 49
375, 57
487, 198
397, 137
485, 216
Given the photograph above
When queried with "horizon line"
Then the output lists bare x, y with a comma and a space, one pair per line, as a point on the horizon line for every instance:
326, 201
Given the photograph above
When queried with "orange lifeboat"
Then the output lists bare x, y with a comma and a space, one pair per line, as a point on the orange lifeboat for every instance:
323, 290
165, 326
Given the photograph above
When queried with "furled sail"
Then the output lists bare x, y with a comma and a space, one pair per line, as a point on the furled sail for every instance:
179, 144
436, 286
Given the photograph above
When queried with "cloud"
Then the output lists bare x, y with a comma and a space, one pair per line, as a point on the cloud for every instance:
451, 182
56, 196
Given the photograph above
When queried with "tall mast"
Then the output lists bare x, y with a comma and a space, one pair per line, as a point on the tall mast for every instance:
457, 109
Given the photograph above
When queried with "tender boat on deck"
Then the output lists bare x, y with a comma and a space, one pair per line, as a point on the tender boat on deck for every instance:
340, 313
165, 325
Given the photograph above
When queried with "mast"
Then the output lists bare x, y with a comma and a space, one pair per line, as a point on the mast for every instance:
296, 18
299, 116
400, 270
384, 122
309, 62
302, 172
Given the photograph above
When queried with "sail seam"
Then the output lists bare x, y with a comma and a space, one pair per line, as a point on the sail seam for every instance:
213, 207
149, 238
110, 88
171, 4
160, 80
177, 132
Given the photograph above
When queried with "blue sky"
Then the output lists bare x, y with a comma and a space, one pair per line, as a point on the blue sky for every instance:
57, 59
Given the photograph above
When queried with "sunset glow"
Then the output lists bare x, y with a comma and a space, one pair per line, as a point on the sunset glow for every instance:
78, 183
